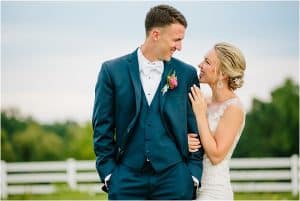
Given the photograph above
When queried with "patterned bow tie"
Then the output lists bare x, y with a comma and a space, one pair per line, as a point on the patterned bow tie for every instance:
156, 66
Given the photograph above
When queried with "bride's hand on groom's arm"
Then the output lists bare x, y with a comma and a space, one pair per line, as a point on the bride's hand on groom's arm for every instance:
193, 142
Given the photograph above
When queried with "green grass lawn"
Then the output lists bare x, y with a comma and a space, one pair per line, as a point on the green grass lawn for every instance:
75, 195
63, 195
265, 196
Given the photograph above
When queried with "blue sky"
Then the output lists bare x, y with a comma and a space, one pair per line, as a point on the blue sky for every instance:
51, 52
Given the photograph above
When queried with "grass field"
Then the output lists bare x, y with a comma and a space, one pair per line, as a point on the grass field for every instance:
265, 196
75, 195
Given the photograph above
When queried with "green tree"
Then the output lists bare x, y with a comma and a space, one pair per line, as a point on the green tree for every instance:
60, 128
7, 152
79, 143
35, 144
272, 128
12, 121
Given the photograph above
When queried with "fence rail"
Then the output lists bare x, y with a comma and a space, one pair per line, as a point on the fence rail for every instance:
247, 175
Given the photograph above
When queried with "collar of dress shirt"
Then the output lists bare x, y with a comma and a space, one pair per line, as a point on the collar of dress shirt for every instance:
146, 66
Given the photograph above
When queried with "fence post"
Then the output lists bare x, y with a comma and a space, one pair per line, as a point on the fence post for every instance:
294, 174
3, 191
71, 173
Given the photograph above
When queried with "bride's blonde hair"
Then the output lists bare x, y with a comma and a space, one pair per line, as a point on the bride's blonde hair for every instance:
232, 63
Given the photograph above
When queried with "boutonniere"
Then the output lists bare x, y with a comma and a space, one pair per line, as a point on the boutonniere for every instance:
171, 82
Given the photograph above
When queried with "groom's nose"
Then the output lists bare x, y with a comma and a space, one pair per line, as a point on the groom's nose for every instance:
178, 46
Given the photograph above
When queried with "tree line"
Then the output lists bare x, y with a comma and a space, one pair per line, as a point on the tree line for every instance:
271, 130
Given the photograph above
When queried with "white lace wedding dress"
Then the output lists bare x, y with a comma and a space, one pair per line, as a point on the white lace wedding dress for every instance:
215, 183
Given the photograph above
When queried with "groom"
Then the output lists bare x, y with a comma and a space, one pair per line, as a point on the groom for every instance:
142, 116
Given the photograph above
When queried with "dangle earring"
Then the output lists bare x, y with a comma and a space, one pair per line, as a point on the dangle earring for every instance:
220, 84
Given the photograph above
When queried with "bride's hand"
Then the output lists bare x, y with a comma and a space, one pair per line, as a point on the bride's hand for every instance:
193, 142
198, 101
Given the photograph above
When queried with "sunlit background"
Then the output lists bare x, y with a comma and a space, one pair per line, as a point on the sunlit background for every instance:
52, 51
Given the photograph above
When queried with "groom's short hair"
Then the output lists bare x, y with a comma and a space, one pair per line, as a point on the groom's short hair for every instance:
163, 15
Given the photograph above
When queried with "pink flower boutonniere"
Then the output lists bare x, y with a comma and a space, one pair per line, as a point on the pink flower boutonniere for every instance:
171, 82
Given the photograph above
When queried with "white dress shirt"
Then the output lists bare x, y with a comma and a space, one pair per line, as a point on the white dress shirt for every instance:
150, 74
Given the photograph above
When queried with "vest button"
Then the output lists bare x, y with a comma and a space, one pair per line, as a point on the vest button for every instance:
121, 151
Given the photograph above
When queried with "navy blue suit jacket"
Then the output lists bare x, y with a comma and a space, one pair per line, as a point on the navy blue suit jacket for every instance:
117, 105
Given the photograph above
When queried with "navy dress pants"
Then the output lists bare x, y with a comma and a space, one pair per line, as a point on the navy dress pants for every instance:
174, 183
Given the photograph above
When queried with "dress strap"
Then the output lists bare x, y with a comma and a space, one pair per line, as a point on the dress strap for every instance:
233, 101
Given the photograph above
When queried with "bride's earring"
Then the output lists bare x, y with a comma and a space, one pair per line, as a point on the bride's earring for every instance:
220, 84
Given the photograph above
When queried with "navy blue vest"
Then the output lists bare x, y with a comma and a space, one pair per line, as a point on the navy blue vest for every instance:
150, 139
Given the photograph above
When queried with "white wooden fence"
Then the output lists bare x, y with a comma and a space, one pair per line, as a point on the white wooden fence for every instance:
247, 175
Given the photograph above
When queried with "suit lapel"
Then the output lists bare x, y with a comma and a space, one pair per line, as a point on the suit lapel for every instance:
133, 68
167, 69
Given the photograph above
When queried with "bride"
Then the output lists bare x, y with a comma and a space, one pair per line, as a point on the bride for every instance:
220, 118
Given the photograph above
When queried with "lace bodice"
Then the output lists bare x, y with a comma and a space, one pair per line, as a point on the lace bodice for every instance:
219, 174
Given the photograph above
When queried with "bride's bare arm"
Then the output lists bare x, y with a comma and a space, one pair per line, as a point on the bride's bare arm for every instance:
216, 145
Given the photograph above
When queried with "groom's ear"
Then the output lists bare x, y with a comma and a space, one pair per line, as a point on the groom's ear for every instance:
154, 34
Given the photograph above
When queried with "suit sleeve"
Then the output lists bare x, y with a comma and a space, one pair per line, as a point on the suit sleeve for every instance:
103, 123
195, 159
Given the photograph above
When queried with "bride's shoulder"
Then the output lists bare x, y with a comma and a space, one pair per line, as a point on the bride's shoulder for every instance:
235, 102
234, 105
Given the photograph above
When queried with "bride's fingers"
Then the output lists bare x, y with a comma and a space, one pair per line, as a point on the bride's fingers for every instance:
191, 97
193, 92
193, 150
192, 135
193, 139
197, 91
194, 145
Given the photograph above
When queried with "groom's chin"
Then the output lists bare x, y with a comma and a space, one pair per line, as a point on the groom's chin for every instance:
167, 59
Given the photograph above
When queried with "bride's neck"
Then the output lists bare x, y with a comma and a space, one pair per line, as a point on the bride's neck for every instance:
221, 95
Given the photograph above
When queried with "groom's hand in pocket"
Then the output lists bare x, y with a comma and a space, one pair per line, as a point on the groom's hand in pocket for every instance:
105, 187
195, 187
